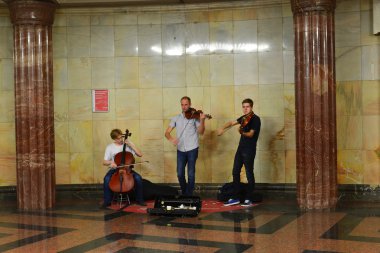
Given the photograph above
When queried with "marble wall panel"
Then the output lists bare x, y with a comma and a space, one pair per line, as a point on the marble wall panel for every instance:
350, 167
151, 104
102, 41
79, 73
60, 20
103, 73
347, 6
150, 72
244, 14
61, 107
349, 132
371, 62
81, 168
7, 73
78, 41
174, 71
371, 132
289, 66
348, 63
245, 36
288, 34
197, 38
6, 42
99, 169
271, 100
221, 166
78, 20
61, 134
222, 102
366, 29
246, 69
7, 109
149, 40
173, 18
8, 138
152, 135
348, 98
173, 39
8, 172
5, 21
221, 37
80, 105
149, 18
126, 40
272, 134
221, 69
125, 19
60, 74
220, 15
347, 29
269, 12
126, 72
102, 20
371, 167
290, 167
127, 102
271, 67
198, 16
154, 170
81, 136
371, 97
59, 42
197, 70
62, 168
270, 34
272, 166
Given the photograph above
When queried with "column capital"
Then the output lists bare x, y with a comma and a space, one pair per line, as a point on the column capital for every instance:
33, 12
302, 6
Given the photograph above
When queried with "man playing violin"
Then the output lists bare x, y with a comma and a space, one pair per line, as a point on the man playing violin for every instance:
187, 142
111, 150
249, 131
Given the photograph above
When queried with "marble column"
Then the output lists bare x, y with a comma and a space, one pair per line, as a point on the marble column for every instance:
33, 74
315, 103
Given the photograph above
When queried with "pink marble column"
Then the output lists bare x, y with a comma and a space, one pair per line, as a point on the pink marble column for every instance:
315, 103
33, 75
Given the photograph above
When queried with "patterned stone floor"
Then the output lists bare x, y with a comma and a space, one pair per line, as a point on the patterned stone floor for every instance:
78, 225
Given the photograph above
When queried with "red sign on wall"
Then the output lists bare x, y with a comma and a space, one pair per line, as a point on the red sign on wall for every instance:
100, 100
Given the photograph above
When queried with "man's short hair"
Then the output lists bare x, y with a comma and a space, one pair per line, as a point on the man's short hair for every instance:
249, 101
115, 133
186, 97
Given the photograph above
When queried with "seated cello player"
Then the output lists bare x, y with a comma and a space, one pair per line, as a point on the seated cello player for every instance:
111, 150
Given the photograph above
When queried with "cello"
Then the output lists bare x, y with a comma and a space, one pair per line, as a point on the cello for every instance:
122, 180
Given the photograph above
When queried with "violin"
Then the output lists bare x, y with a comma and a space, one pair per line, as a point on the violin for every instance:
245, 120
192, 113
122, 180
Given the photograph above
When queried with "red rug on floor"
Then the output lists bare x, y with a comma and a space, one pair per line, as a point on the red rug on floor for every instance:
208, 206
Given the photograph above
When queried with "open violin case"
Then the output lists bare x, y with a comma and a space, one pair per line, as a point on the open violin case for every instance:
176, 206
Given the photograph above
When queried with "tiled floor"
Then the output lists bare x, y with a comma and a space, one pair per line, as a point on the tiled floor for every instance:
77, 225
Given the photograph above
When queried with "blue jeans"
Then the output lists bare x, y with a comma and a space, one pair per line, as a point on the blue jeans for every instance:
244, 157
189, 158
108, 194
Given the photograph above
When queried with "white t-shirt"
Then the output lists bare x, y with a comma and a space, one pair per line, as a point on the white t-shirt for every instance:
112, 149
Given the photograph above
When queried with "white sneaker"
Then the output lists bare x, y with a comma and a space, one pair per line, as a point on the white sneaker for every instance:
247, 202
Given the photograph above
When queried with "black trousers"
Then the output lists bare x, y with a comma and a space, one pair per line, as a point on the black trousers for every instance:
244, 157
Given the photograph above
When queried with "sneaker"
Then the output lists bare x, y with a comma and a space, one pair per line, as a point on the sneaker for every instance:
247, 202
231, 202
